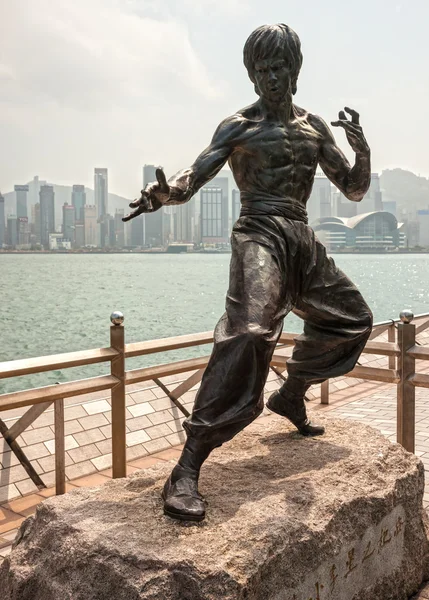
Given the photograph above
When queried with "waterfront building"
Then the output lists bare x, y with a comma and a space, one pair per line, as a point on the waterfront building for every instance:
319, 204
154, 223
21, 192
58, 242
90, 225
373, 231
214, 213
343, 208
423, 219
119, 228
79, 234
22, 233
101, 194
47, 213
35, 224
184, 222
12, 231
211, 216
78, 200
69, 223
372, 201
236, 205
137, 231
2, 222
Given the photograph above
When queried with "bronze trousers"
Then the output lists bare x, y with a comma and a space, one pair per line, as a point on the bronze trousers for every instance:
277, 266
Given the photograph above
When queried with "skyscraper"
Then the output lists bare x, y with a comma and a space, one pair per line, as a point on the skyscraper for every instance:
372, 201
23, 233
69, 222
90, 224
2, 222
12, 231
320, 202
21, 192
35, 226
78, 200
184, 222
47, 214
101, 195
154, 222
101, 191
211, 215
137, 231
221, 183
119, 228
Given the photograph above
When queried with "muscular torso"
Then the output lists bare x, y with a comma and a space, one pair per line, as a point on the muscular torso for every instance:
274, 158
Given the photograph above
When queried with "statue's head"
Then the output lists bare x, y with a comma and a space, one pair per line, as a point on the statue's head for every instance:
273, 59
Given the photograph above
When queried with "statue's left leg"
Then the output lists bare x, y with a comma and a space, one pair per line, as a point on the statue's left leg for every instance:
337, 324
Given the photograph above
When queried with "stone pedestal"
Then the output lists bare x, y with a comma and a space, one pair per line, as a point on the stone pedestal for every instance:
289, 518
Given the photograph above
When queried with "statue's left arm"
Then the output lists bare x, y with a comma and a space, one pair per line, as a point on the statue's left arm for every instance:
354, 181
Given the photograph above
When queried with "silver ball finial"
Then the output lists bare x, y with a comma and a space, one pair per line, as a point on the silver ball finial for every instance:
117, 318
406, 315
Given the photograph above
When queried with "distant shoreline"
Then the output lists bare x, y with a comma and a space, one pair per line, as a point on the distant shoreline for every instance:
149, 252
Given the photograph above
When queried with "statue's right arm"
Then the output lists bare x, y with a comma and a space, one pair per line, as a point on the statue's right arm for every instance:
184, 184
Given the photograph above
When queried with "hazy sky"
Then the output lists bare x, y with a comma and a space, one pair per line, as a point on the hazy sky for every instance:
120, 83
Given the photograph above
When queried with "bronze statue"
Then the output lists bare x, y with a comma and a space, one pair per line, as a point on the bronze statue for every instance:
273, 148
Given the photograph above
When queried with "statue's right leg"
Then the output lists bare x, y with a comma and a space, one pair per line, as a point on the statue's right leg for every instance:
231, 392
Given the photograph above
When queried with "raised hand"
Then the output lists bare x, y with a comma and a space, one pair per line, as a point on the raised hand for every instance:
353, 130
153, 196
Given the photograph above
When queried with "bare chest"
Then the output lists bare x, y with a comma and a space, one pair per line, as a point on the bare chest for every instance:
273, 145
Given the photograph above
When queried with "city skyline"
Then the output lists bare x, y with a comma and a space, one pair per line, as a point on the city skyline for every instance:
112, 95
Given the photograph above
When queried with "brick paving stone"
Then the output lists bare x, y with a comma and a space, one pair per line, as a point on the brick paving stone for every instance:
157, 431
7, 492
176, 438
72, 427
47, 464
109, 472
36, 451
136, 451
74, 412
163, 403
5, 551
90, 480
137, 437
79, 470
9, 520
146, 462
48, 492
93, 408
12, 475
143, 408
157, 445
37, 435
102, 462
169, 454
143, 396
105, 446
8, 459
27, 486
69, 442
84, 453
24, 506
89, 437
162, 416
93, 421
139, 423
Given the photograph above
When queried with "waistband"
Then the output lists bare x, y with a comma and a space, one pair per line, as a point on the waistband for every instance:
263, 204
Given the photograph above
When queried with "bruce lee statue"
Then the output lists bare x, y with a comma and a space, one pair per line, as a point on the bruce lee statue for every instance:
273, 148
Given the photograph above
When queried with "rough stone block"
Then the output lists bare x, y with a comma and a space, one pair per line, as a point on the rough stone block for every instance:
338, 517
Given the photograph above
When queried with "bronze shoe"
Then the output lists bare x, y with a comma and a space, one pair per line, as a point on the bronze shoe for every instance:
294, 411
182, 500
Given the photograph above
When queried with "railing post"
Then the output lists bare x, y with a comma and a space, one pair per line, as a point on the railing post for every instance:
406, 390
391, 337
324, 392
60, 451
119, 452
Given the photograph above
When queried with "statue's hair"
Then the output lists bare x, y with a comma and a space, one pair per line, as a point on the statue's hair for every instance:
273, 40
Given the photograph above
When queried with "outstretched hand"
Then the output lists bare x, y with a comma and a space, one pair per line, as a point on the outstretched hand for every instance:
353, 130
153, 196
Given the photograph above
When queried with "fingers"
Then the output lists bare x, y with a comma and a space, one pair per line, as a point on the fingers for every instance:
354, 115
133, 214
342, 115
162, 180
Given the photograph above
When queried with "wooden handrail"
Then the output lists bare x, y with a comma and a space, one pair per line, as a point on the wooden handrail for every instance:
165, 344
419, 352
39, 364
181, 366
55, 392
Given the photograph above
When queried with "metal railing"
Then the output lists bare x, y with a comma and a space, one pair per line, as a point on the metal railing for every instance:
402, 350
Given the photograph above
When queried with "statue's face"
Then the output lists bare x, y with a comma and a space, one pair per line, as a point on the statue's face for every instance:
273, 78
